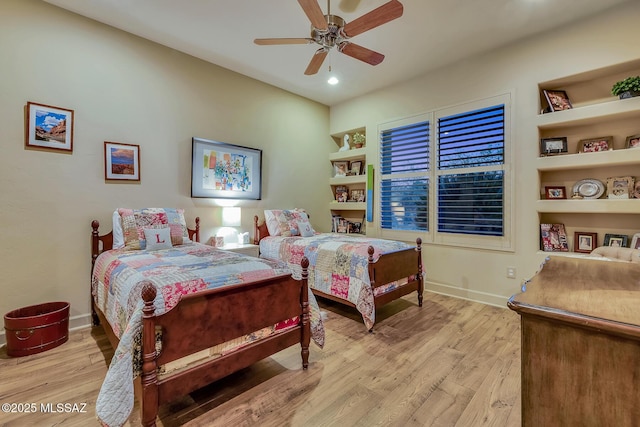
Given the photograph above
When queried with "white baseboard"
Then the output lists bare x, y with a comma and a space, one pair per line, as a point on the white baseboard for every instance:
476, 296
78, 322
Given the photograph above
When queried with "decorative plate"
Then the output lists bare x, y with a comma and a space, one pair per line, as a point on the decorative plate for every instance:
589, 188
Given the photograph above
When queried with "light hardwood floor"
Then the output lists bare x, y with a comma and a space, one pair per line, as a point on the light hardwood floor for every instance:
450, 363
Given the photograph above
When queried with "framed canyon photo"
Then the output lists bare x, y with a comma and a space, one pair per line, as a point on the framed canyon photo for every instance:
49, 127
121, 161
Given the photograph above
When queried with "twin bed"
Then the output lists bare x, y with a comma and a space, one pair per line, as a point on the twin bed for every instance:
355, 270
184, 316
181, 315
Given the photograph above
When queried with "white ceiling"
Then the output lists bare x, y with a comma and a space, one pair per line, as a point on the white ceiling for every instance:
430, 34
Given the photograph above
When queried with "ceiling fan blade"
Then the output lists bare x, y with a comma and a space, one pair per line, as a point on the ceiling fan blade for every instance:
362, 53
314, 13
316, 61
381, 15
264, 42
349, 6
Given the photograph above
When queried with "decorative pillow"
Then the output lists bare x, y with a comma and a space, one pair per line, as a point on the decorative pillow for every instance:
134, 221
305, 228
289, 222
158, 238
271, 219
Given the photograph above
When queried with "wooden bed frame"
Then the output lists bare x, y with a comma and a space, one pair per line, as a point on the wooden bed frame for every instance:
389, 267
199, 321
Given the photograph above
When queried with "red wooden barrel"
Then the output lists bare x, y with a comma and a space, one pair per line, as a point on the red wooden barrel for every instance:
36, 328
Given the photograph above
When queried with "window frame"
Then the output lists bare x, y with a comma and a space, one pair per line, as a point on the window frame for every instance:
472, 241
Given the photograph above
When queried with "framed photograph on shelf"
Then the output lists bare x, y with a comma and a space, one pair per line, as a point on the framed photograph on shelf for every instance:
355, 167
633, 141
356, 196
556, 145
225, 171
555, 192
342, 193
121, 161
558, 100
584, 242
617, 240
620, 187
635, 241
554, 238
340, 168
594, 145
49, 127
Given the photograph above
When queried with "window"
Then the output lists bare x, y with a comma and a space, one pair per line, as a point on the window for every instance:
459, 196
470, 175
404, 186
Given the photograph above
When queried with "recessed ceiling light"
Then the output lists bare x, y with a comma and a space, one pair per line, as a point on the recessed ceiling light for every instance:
333, 80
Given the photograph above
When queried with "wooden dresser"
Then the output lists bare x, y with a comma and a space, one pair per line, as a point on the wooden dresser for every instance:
580, 343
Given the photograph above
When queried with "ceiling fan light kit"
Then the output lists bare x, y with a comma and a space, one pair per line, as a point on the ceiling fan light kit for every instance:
329, 31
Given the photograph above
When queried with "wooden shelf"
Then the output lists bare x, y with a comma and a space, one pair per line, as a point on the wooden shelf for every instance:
347, 180
590, 114
353, 154
588, 160
609, 206
347, 206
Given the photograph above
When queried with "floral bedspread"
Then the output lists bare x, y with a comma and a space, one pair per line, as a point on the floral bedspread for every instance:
177, 271
338, 264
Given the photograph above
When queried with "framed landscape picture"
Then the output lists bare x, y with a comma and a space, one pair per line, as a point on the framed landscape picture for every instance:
121, 161
49, 127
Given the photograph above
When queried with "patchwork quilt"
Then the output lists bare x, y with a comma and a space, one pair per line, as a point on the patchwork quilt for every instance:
181, 270
338, 265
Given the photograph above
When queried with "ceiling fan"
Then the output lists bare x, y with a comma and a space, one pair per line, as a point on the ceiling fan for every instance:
330, 31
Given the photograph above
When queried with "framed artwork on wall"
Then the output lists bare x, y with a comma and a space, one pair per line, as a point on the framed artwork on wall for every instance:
121, 161
225, 171
49, 127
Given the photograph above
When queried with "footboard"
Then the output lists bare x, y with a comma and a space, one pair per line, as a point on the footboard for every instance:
397, 265
214, 317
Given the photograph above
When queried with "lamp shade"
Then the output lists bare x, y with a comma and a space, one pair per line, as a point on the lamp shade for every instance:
231, 216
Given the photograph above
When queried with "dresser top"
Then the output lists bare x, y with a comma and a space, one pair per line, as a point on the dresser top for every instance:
587, 290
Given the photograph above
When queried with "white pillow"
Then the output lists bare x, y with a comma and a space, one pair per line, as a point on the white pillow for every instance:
271, 219
157, 238
118, 235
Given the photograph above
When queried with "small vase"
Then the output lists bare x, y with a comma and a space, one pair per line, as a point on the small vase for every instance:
629, 94
358, 145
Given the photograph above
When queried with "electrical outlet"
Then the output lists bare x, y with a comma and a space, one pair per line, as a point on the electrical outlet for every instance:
511, 272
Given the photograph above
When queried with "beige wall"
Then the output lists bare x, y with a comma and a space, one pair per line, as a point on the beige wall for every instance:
481, 275
126, 89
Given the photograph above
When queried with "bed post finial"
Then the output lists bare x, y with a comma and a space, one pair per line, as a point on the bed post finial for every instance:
149, 407
197, 239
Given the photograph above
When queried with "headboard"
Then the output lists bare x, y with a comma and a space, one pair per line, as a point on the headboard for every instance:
100, 243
